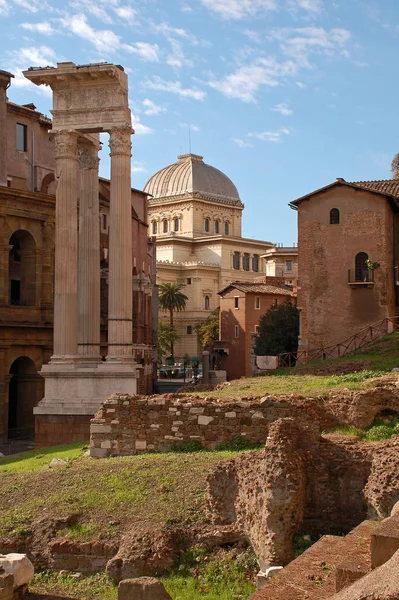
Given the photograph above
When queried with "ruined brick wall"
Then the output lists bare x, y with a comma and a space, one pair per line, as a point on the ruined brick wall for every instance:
126, 425
129, 425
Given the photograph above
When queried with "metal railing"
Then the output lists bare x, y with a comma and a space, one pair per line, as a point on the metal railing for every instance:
348, 346
361, 275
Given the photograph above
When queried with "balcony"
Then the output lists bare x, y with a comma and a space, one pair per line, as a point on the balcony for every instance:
361, 277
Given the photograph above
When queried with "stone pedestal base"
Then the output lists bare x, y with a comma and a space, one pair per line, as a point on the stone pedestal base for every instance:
73, 394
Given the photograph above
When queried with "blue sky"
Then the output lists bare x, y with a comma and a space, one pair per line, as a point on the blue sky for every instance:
282, 95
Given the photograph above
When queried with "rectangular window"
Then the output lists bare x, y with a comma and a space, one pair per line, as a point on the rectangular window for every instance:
235, 301
288, 265
236, 331
257, 302
189, 329
22, 137
188, 281
256, 328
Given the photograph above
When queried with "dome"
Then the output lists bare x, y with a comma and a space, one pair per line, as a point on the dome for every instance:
191, 175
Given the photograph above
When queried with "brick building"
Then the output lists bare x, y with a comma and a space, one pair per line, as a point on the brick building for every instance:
241, 306
342, 229
27, 213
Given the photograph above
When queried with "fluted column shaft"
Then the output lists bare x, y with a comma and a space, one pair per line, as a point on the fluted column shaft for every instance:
66, 247
89, 255
120, 248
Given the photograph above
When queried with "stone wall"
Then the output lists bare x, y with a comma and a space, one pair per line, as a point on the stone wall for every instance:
129, 425
87, 557
126, 425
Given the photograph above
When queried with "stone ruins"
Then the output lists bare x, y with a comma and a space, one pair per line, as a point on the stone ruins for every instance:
88, 100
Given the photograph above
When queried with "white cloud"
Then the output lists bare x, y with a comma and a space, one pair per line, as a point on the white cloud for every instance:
23, 58
151, 108
283, 109
270, 136
4, 7
127, 13
44, 28
146, 51
138, 127
244, 83
242, 143
104, 40
300, 84
31, 6
93, 7
190, 126
311, 6
239, 9
177, 58
169, 31
301, 42
138, 166
174, 87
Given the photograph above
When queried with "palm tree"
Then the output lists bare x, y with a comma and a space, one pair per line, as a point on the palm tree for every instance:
171, 298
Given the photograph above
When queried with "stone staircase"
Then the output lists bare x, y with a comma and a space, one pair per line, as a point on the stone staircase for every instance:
334, 563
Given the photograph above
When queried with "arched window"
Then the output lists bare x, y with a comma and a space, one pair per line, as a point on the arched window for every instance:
25, 390
207, 225
226, 228
207, 302
22, 269
255, 263
176, 224
236, 260
154, 227
334, 216
245, 261
217, 226
361, 269
165, 226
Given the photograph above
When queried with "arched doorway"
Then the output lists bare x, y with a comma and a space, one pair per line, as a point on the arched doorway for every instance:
22, 269
25, 390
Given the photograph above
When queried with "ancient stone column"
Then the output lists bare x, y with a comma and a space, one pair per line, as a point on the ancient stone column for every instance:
120, 248
89, 255
66, 248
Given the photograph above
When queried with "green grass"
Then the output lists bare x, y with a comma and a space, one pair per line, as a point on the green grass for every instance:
200, 575
284, 384
225, 575
35, 460
383, 428
106, 495
320, 377
92, 587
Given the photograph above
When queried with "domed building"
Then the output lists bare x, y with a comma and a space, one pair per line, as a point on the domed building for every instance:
195, 212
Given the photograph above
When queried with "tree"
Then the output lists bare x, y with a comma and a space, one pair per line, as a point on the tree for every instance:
208, 331
395, 167
278, 331
171, 298
167, 336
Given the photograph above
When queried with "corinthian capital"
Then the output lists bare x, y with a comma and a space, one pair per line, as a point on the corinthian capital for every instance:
88, 157
66, 144
120, 140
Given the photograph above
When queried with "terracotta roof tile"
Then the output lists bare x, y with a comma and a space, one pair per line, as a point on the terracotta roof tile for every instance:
387, 186
258, 288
